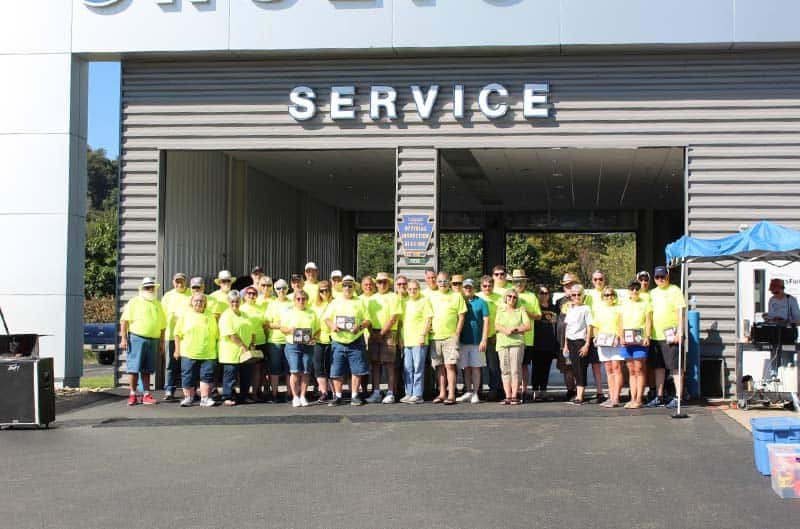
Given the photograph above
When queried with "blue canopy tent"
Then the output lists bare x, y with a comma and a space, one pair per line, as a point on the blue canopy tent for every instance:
763, 241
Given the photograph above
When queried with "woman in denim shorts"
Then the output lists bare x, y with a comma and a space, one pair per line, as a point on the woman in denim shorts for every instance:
300, 325
196, 336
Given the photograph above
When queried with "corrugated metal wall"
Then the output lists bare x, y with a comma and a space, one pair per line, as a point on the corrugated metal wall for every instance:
738, 113
195, 214
417, 184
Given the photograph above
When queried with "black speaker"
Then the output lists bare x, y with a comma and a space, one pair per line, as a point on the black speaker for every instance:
28, 397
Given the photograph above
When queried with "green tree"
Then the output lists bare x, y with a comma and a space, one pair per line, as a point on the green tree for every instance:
461, 253
375, 253
101, 253
101, 180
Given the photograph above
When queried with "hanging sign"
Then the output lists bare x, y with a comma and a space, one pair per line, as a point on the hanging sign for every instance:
415, 235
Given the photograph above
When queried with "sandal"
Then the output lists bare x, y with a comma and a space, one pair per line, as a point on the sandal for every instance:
448, 402
515, 402
438, 400
229, 402
506, 402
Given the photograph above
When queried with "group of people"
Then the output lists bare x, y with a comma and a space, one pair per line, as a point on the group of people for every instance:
344, 331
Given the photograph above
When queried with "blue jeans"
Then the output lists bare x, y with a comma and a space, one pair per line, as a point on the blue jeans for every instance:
142, 354
173, 373
229, 374
194, 371
414, 367
299, 357
348, 354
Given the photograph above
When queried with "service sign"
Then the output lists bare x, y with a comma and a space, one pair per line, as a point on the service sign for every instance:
415, 235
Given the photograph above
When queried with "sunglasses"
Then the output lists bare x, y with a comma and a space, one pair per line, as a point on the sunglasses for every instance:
575, 295
148, 288
499, 274
660, 277
544, 293
486, 285
280, 289
224, 280
456, 284
609, 295
265, 285
644, 279
196, 287
379, 281
250, 294
347, 285
512, 297
401, 284
324, 290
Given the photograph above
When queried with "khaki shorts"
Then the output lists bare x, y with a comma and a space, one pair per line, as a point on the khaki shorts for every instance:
444, 352
382, 349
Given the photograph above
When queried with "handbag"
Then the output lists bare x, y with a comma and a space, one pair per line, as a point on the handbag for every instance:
251, 356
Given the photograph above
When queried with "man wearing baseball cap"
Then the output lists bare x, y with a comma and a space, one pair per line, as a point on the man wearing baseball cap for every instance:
174, 303
563, 363
668, 311
336, 284
473, 341
311, 285
142, 327
347, 318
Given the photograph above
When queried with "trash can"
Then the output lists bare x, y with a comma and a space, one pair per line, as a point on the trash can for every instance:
766, 430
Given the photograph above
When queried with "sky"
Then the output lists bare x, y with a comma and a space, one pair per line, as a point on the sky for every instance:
104, 79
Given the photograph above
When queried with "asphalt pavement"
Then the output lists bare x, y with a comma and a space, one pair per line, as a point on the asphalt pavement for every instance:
405, 466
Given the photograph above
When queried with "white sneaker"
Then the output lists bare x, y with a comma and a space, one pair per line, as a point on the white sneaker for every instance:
374, 398
186, 402
388, 399
296, 402
303, 402
465, 397
404, 400
207, 402
416, 400
475, 399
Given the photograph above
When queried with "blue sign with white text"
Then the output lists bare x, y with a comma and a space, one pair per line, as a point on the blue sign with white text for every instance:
415, 234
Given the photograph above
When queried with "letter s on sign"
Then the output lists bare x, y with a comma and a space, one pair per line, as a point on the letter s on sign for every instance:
303, 106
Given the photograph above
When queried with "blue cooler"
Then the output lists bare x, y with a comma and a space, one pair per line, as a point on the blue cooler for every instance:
780, 430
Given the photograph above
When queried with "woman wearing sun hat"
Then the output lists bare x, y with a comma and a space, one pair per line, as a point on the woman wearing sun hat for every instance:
219, 297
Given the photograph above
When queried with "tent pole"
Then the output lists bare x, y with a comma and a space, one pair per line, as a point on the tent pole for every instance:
678, 413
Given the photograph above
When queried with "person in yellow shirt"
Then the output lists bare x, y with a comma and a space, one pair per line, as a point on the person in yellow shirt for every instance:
430, 283
265, 292
300, 325
530, 302
237, 336
449, 309
605, 321
311, 285
511, 323
635, 327
257, 314
499, 277
322, 349
336, 284
298, 283
384, 309
347, 319
196, 342
493, 300
276, 340
668, 316
218, 301
174, 302
417, 318
643, 278
142, 325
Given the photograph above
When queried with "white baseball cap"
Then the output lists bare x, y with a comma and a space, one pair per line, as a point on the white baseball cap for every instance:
311, 265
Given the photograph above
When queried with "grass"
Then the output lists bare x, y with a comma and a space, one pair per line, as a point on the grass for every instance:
103, 381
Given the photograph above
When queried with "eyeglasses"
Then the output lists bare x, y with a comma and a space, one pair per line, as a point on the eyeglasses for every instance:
499, 274
401, 284
250, 294
324, 290
575, 295
598, 279
441, 281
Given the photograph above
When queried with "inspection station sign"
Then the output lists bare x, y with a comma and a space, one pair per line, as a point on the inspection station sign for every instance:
415, 235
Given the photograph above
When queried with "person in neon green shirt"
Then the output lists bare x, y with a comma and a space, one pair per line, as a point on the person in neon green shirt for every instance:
430, 283
311, 285
144, 319
174, 302
257, 314
265, 292
276, 341
237, 336
493, 300
417, 318
530, 302
196, 342
384, 309
500, 279
322, 349
336, 284
449, 309
635, 326
643, 278
347, 319
512, 322
297, 283
605, 321
668, 315
218, 301
300, 325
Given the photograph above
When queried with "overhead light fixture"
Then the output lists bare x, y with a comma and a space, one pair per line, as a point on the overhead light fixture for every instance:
309, 162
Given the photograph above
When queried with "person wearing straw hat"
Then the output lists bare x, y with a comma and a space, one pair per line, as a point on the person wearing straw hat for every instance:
530, 302
224, 281
174, 302
668, 311
311, 285
563, 362
384, 309
142, 327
